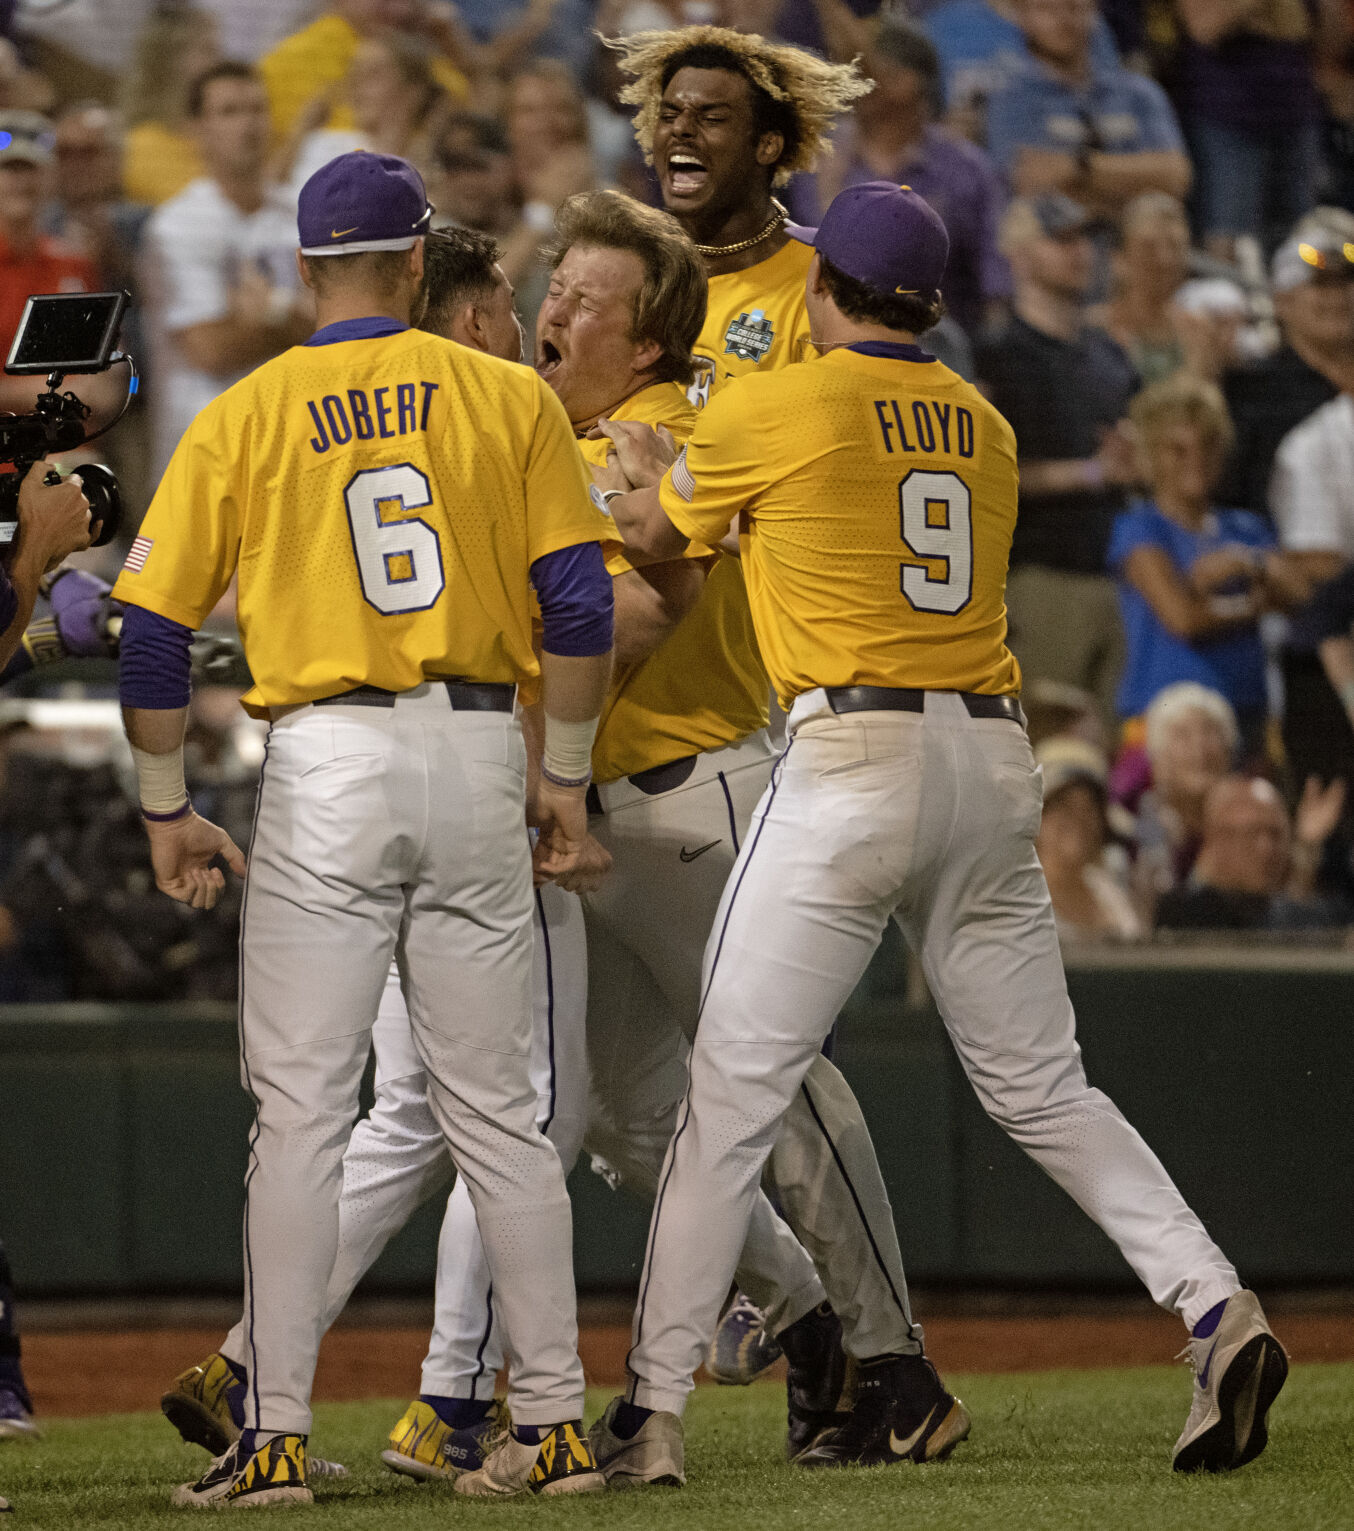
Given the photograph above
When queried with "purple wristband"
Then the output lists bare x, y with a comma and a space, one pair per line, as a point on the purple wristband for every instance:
565, 781
168, 818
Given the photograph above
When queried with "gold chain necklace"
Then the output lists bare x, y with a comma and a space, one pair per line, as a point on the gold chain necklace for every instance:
778, 218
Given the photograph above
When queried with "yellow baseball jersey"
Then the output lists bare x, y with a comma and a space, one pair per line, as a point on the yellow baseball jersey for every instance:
383, 500
879, 497
705, 685
755, 320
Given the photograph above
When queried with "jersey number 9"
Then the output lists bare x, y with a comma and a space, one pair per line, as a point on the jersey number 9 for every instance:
399, 559
936, 510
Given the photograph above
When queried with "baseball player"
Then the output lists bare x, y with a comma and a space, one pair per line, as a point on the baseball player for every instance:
876, 505
726, 118
385, 497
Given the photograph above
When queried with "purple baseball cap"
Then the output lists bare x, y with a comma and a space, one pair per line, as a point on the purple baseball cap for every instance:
883, 235
360, 202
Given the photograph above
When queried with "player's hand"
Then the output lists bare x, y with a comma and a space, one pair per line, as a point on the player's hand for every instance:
563, 833
643, 454
53, 518
594, 863
182, 852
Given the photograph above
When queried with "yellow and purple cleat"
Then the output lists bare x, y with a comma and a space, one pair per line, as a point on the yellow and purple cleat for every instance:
273, 1473
561, 1463
206, 1404
423, 1445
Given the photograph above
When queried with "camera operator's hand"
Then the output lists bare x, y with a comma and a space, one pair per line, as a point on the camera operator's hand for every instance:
53, 518
181, 852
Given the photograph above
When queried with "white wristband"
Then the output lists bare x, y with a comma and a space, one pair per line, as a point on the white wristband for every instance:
160, 782
566, 758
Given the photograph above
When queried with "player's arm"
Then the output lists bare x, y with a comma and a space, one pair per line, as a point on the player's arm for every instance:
155, 688
651, 602
53, 521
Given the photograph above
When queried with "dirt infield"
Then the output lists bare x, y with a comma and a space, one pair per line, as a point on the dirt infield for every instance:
94, 1371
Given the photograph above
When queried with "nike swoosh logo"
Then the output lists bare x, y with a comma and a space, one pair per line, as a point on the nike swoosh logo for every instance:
339, 233
1208, 1365
901, 1448
687, 855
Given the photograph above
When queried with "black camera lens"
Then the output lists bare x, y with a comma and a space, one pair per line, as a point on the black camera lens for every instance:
105, 500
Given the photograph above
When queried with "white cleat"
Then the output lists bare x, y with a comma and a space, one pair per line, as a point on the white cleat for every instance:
656, 1453
561, 1464
1238, 1371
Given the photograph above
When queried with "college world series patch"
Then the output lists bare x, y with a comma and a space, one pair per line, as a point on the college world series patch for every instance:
750, 336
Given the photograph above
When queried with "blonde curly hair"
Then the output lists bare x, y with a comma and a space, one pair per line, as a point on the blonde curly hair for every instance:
810, 93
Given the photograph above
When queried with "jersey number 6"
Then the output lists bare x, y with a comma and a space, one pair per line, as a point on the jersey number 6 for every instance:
399, 559
937, 517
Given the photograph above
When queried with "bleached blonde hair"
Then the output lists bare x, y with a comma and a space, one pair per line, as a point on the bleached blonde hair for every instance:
811, 92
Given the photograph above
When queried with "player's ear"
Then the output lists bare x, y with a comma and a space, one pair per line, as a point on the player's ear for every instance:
646, 356
303, 270
817, 286
416, 260
770, 147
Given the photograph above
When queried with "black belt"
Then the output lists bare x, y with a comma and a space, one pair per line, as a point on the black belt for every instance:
911, 699
657, 779
464, 695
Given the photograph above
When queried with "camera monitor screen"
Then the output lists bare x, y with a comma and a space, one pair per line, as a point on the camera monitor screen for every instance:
66, 332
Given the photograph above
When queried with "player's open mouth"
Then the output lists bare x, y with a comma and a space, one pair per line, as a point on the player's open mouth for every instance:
685, 173
547, 358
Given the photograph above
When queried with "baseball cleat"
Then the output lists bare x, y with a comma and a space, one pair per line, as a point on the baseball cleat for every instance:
656, 1453
206, 1405
819, 1381
423, 1445
16, 1419
901, 1413
1238, 1370
560, 1464
742, 1348
274, 1474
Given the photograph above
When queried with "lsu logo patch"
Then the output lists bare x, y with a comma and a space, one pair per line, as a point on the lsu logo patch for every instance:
750, 336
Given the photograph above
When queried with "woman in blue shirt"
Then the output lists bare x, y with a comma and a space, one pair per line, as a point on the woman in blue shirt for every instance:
1193, 578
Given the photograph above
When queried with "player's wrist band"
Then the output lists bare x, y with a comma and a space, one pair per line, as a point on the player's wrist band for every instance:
160, 785
181, 812
564, 781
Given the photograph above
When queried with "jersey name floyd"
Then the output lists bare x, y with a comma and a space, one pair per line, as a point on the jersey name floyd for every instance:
340, 417
934, 426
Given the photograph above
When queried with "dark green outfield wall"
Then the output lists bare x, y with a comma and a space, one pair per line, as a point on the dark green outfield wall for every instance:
122, 1135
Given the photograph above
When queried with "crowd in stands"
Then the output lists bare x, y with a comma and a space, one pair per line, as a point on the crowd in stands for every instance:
1151, 211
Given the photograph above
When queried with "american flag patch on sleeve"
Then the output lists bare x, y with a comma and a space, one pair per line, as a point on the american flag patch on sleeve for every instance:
136, 558
682, 480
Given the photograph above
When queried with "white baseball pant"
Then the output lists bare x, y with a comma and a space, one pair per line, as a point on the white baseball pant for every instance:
928, 818
380, 832
648, 926
397, 1157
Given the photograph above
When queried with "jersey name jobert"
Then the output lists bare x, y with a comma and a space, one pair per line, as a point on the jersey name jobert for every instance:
338, 418
928, 437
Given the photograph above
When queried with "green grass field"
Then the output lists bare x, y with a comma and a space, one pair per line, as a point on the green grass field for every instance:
1048, 1450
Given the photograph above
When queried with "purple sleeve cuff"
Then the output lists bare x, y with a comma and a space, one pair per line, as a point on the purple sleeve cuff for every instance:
9, 602
154, 670
576, 600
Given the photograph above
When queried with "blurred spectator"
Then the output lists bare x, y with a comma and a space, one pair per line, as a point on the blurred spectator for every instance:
1332, 617
393, 97
314, 61
1089, 901
1255, 870
1312, 499
1194, 578
30, 261
21, 89
160, 152
981, 46
1149, 269
1065, 387
1313, 280
891, 137
1066, 123
1191, 738
1250, 110
220, 270
90, 212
